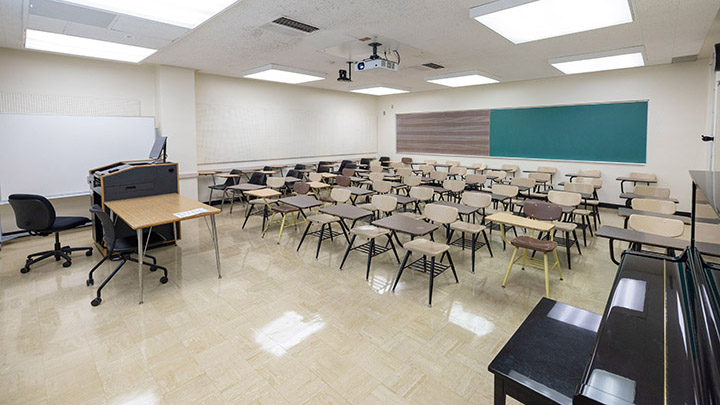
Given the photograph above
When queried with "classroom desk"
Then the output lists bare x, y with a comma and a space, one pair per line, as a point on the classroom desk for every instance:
443, 165
356, 192
634, 181
291, 180
613, 233
506, 218
544, 360
229, 176
400, 223
566, 209
147, 212
209, 173
573, 175
346, 211
462, 208
629, 196
265, 194
242, 188
626, 212
403, 199
301, 202
317, 185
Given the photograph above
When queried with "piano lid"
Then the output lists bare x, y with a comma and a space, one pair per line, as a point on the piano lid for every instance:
709, 184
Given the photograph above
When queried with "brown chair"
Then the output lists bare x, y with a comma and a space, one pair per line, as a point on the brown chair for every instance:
565, 227
301, 188
537, 210
348, 172
343, 181
406, 160
436, 213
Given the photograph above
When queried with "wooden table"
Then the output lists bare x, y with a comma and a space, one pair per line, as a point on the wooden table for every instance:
544, 360
147, 212
634, 181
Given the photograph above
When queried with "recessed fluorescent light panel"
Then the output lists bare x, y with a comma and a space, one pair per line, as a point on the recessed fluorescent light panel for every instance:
379, 91
282, 74
182, 13
59, 43
461, 79
596, 62
530, 20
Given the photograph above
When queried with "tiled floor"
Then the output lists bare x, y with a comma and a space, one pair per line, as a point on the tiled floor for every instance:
279, 327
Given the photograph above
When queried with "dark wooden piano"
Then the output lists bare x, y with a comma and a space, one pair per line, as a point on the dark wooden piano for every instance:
657, 342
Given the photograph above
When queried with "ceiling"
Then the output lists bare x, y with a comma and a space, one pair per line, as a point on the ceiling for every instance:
440, 31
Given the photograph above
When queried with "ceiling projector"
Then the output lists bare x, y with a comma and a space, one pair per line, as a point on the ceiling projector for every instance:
376, 62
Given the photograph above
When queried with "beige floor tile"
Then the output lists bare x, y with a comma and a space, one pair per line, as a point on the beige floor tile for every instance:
279, 327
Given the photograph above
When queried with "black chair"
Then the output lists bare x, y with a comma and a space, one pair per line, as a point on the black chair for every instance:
268, 169
365, 163
117, 249
35, 214
258, 179
343, 165
230, 181
324, 169
294, 173
300, 167
351, 166
385, 161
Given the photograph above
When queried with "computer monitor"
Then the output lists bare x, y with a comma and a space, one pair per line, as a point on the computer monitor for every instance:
159, 150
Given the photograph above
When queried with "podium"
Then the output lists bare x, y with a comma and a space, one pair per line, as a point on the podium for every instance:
133, 179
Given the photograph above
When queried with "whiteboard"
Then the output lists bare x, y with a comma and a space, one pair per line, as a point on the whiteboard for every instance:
228, 133
52, 154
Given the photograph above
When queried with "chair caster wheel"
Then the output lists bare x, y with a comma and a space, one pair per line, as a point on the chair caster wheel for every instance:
163, 279
89, 282
153, 268
24, 270
88, 253
67, 264
96, 302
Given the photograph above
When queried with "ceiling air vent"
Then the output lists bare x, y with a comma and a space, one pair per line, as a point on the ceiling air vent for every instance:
433, 66
687, 58
296, 25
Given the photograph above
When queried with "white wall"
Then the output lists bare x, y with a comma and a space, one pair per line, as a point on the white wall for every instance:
678, 114
278, 99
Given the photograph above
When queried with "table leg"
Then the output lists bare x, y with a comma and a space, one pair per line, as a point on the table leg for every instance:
215, 241
499, 391
141, 255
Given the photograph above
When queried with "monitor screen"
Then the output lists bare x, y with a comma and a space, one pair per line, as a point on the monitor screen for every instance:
157, 148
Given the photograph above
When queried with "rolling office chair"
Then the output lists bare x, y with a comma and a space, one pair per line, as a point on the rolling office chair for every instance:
35, 214
117, 249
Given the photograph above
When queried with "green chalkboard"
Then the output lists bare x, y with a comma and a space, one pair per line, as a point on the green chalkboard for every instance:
614, 132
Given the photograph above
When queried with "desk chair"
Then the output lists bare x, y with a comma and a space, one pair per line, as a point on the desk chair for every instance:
294, 173
479, 201
35, 214
546, 247
364, 163
385, 161
652, 205
117, 249
426, 248
669, 228
224, 186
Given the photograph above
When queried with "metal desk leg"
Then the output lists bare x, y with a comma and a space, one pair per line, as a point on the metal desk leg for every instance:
215, 241
141, 253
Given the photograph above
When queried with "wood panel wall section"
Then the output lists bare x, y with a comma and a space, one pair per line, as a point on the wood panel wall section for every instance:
449, 132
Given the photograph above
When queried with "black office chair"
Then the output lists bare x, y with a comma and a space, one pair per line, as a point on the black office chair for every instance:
117, 249
35, 214
230, 181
